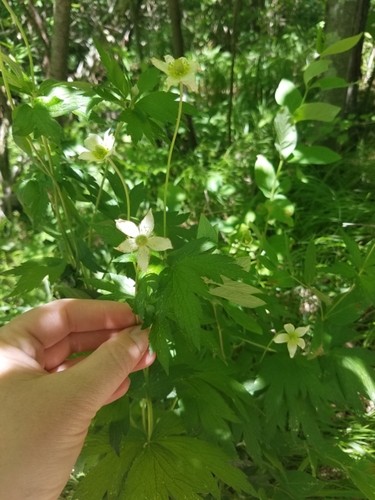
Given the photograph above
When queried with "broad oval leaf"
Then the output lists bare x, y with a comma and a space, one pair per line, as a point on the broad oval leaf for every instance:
314, 69
318, 111
314, 155
287, 94
265, 176
342, 45
286, 133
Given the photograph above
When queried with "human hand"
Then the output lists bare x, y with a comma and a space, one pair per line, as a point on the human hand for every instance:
48, 400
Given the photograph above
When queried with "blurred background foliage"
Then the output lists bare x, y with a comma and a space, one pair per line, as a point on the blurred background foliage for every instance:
317, 256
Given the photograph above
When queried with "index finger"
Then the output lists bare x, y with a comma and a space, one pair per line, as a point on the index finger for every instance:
52, 322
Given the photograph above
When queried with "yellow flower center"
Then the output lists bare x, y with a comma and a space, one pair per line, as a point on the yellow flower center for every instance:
293, 338
141, 240
100, 152
179, 68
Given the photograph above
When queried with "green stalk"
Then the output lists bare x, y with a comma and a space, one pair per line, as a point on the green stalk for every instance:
169, 161
149, 408
24, 38
5, 81
122, 180
97, 201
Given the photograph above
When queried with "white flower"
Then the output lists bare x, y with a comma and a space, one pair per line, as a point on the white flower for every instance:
292, 337
98, 148
140, 239
179, 70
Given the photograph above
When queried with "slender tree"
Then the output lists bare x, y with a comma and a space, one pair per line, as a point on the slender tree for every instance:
60, 40
345, 18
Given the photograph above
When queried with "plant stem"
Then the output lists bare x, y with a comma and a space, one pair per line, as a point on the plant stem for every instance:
122, 180
5, 82
24, 38
220, 333
97, 201
149, 407
169, 161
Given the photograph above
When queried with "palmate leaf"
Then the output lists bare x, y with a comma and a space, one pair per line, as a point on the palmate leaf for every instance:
168, 466
183, 284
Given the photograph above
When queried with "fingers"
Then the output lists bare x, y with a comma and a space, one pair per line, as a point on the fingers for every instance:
52, 322
102, 376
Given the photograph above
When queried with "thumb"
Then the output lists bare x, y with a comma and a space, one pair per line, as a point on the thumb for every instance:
97, 378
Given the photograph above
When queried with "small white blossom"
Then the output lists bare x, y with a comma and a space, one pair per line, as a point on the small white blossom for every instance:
292, 338
98, 148
140, 239
179, 70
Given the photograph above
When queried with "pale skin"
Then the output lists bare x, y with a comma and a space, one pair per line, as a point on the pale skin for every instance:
47, 399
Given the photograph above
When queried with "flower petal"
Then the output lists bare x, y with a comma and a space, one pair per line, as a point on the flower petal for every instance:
163, 66
281, 338
159, 244
92, 141
127, 246
127, 227
301, 343
147, 224
143, 258
189, 81
301, 330
108, 140
289, 328
87, 156
292, 348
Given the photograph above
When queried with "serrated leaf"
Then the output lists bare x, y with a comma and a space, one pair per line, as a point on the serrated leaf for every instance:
314, 155
33, 196
353, 250
286, 133
115, 73
148, 80
317, 111
181, 467
342, 45
287, 94
206, 230
238, 293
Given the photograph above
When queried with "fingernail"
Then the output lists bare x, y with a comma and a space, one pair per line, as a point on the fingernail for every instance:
139, 335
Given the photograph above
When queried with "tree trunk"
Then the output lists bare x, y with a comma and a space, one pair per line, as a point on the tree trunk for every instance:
345, 18
60, 40
175, 16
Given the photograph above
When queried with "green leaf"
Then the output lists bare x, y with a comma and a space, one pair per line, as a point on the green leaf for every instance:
342, 45
314, 69
115, 73
23, 120
33, 196
162, 106
330, 82
33, 272
354, 251
181, 467
309, 271
319, 111
63, 99
238, 293
206, 230
287, 94
286, 133
148, 80
314, 155
281, 209
265, 176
